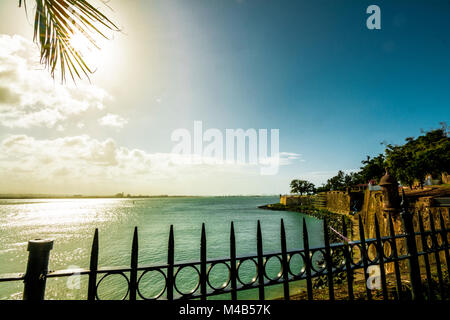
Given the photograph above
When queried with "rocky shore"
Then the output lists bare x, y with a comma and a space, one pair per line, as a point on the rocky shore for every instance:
334, 220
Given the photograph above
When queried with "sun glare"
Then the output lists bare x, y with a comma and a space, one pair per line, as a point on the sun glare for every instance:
90, 53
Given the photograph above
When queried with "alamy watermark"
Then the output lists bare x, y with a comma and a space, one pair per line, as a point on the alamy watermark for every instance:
373, 22
74, 281
374, 279
233, 146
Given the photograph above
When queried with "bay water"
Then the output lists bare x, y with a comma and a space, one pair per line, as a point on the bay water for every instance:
71, 224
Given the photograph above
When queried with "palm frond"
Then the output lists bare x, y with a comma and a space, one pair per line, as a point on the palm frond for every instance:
56, 23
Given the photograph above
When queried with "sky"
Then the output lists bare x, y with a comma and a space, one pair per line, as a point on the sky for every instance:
311, 69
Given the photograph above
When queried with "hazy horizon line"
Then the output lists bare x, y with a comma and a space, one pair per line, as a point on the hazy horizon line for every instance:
5, 196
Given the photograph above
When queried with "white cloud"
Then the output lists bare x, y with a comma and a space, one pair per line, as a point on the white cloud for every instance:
29, 97
113, 120
85, 155
80, 163
288, 158
80, 125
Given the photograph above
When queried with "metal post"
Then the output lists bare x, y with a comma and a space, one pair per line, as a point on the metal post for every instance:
37, 269
261, 266
307, 261
348, 259
233, 270
203, 258
413, 260
134, 265
285, 262
328, 260
170, 262
93, 267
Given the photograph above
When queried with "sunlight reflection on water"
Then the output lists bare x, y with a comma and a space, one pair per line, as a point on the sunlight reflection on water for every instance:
71, 223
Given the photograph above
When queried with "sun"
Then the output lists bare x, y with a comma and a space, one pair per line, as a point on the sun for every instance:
88, 51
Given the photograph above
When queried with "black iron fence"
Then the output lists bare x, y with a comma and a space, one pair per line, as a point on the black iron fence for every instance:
346, 258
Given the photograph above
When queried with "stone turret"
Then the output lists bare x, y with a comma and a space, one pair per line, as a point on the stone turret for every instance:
391, 199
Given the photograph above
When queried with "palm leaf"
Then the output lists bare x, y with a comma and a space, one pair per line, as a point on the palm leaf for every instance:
56, 22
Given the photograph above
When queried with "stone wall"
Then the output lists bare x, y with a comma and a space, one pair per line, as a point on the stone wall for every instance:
445, 178
296, 200
426, 208
373, 207
339, 202
344, 202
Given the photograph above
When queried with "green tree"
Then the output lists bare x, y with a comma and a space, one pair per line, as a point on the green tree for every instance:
372, 169
427, 154
302, 187
323, 188
56, 22
341, 181
337, 182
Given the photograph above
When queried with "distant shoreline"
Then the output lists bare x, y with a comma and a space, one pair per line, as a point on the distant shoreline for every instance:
74, 197
49, 197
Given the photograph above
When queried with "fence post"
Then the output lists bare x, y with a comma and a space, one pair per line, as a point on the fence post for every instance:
307, 261
93, 266
260, 263
170, 262
134, 265
395, 256
364, 256
348, 266
233, 270
285, 262
37, 269
413, 260
203, 258
328, 260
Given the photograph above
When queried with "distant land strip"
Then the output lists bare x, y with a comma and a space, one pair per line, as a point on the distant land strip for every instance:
52, 196
118, 196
